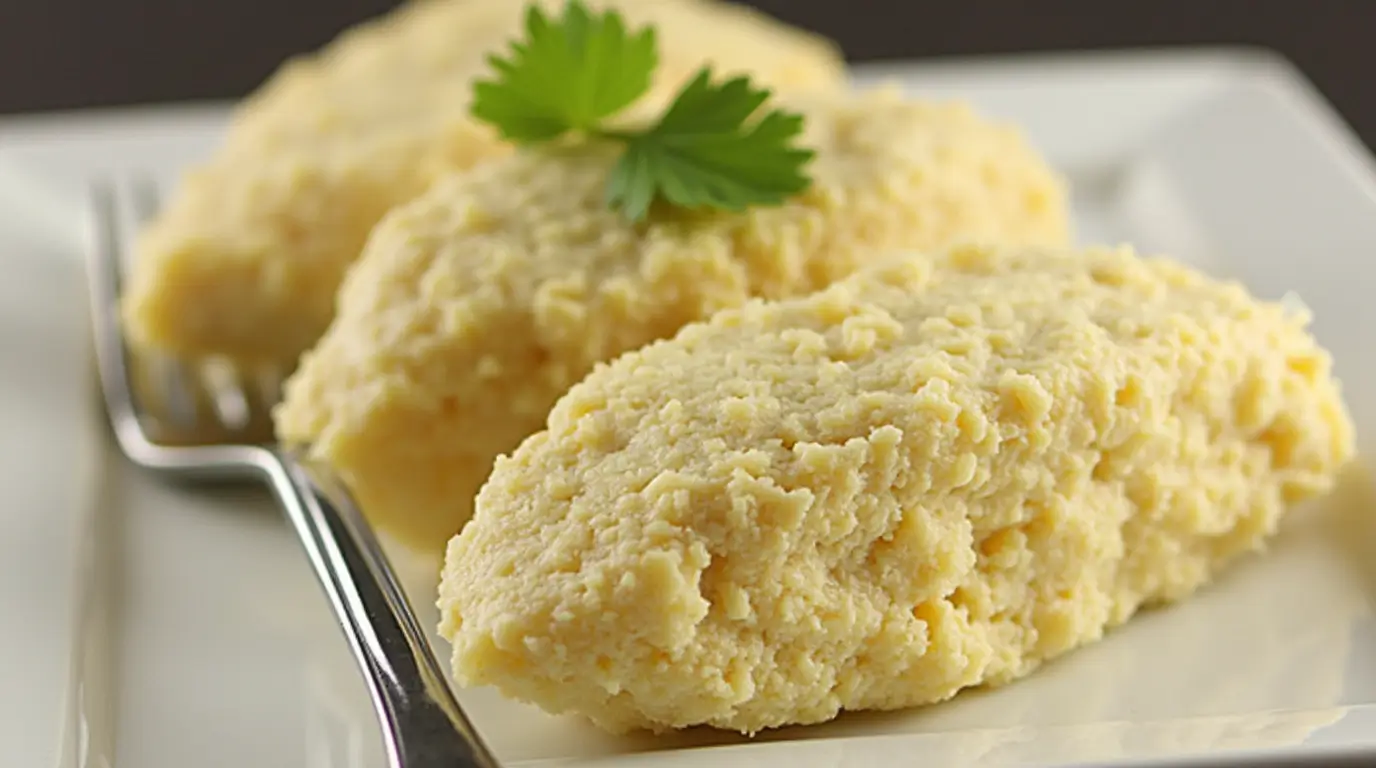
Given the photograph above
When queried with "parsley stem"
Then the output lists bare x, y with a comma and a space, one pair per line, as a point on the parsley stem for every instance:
624, 137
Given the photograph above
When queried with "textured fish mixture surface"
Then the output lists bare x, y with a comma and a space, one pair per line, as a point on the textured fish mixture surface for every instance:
936, 474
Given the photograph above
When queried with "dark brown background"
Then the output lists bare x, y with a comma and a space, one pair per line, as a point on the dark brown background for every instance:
61, 54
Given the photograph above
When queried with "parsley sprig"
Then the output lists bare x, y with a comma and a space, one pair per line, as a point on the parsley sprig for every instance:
710, 149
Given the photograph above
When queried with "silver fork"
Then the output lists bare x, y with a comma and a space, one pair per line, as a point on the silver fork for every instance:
205, 426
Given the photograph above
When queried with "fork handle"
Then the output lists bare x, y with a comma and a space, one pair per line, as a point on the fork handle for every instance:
422, 723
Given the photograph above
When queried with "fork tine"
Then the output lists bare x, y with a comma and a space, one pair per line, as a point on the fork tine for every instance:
227, 395
177, 385
268, 380
142, 202
175, 381
106, 285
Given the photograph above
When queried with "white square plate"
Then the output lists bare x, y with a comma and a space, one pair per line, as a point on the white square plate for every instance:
157, 627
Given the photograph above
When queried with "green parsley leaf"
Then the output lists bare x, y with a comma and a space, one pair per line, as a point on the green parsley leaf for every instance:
705, 152
711, 149
567, 74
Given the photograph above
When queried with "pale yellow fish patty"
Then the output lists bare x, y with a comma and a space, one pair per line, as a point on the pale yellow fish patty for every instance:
934, 475
474, 307
247, 256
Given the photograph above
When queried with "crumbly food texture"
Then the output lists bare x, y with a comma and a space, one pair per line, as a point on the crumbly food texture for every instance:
476, 306
245, 259
934, 475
